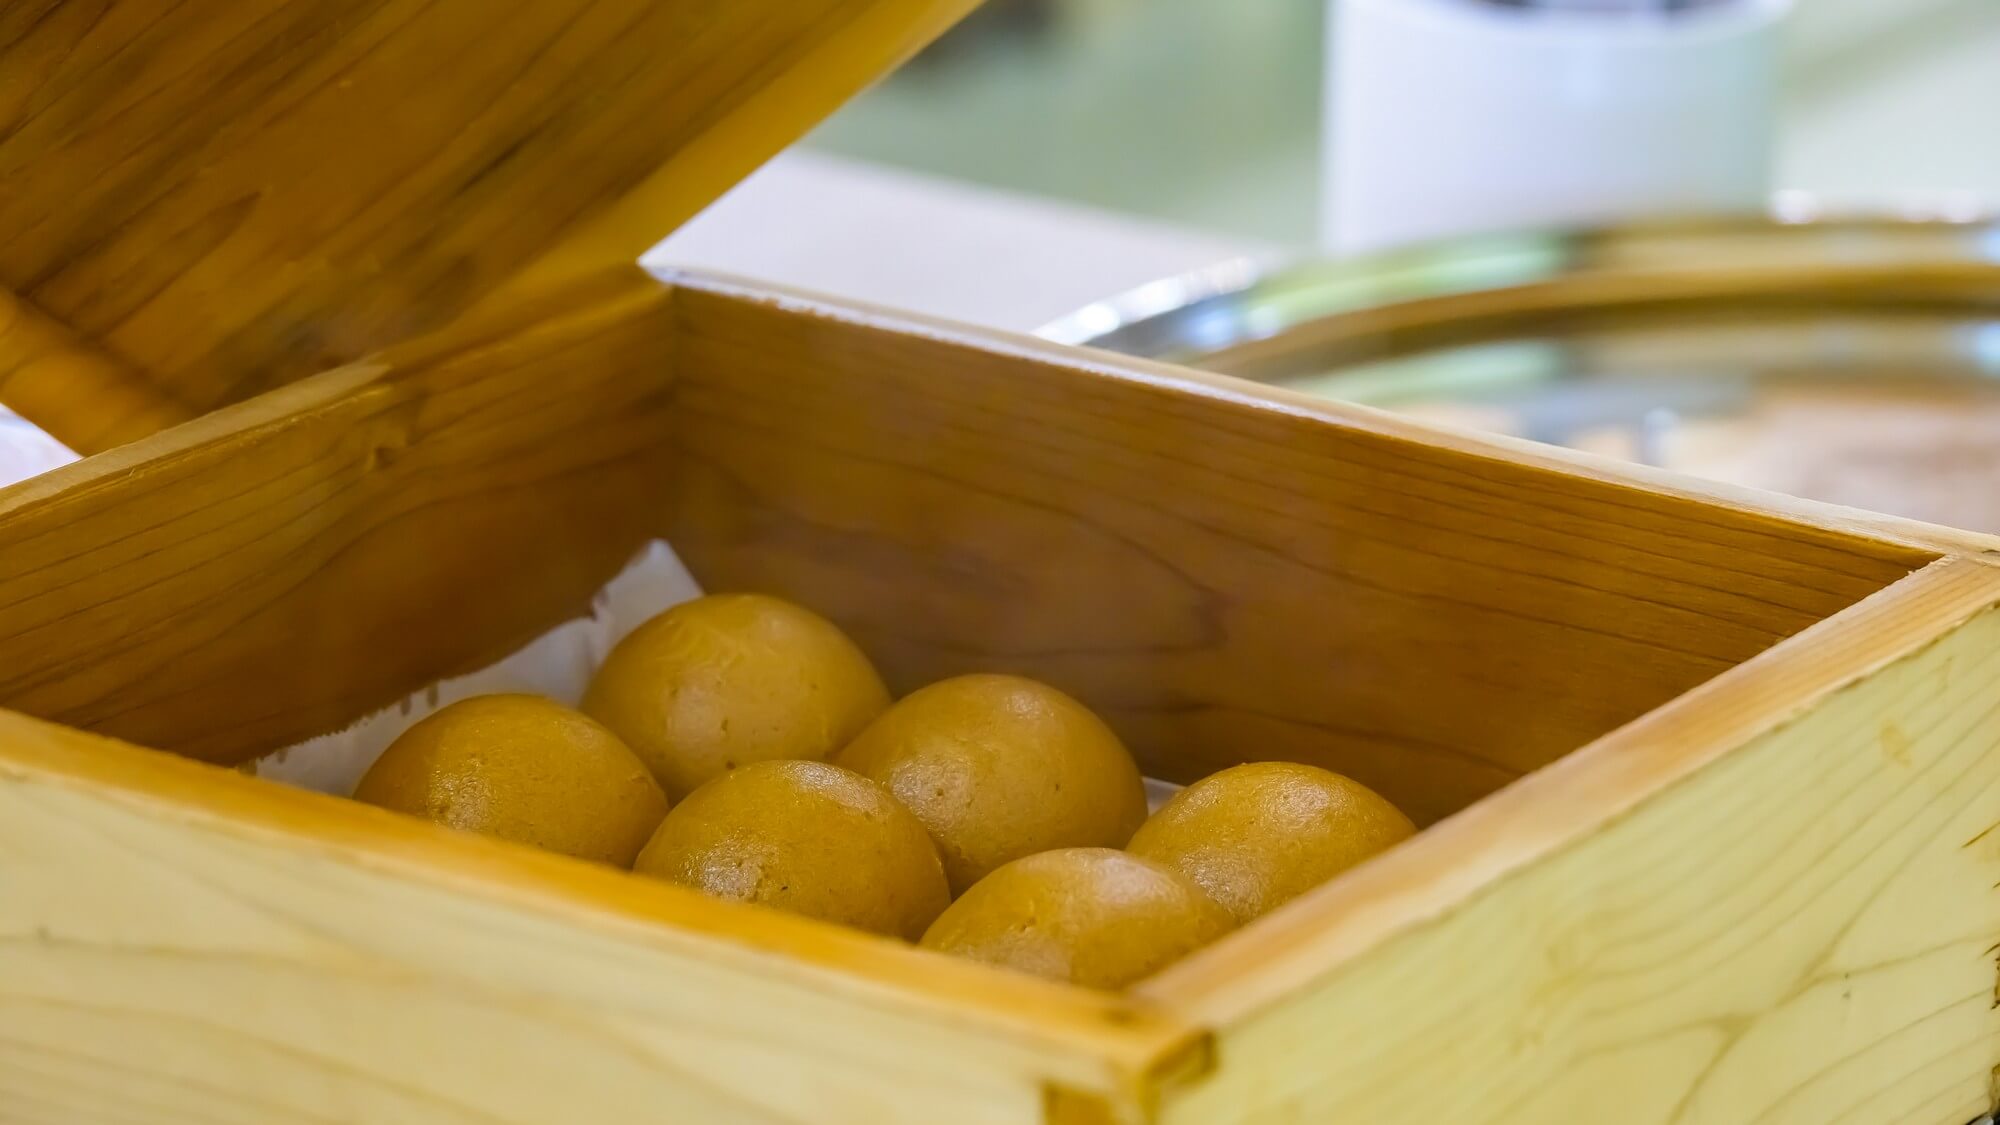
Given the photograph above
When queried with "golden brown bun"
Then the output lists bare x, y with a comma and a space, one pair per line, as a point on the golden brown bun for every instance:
521, 768
1257, 836
1000, 767
806, 837
1096, 917
730, 679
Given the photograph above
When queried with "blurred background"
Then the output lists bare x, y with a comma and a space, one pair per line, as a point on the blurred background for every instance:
1207, 114
1141, 175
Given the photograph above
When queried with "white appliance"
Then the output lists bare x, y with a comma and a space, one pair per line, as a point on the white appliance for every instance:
1450, 117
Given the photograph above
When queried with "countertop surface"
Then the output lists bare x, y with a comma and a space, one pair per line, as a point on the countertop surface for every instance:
933, 246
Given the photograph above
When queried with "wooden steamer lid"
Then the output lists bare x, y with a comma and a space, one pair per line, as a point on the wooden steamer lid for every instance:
199, 202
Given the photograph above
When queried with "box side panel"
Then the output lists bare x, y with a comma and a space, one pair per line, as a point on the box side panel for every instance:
180, 944
274, 570
1772, 901
1225, 574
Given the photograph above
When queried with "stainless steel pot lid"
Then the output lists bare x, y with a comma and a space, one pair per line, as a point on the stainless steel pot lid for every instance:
1851, 360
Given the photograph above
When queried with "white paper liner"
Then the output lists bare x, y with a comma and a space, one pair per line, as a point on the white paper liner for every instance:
25, 451
557, 664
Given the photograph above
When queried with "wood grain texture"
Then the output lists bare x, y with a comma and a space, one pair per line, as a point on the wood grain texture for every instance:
1224, 574
179, 943
227, 197
1770, 901
75, 393
276, 569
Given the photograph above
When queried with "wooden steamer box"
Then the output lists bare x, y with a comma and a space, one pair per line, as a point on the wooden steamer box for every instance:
1709, 777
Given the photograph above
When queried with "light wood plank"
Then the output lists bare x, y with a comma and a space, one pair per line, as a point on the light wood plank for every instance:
1226, 573
1770, 901
182, 943
227, 197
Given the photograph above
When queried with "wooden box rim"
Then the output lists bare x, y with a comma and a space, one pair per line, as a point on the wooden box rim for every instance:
1120, 1054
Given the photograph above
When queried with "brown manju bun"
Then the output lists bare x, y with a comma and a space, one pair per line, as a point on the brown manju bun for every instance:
1000, 767
1257, 836
730, 679
521, 768
1096, 917
805, 837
